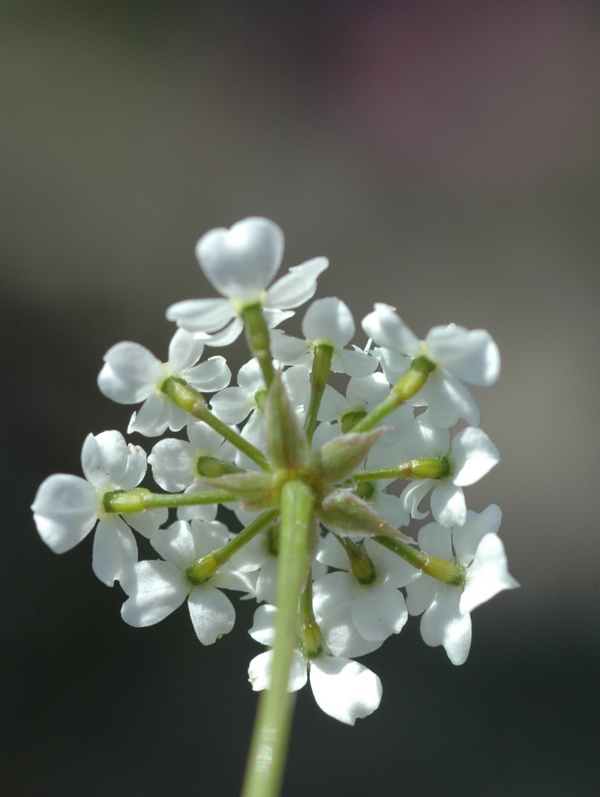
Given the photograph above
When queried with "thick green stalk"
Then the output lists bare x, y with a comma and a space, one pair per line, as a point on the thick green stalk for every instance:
193, 402
268, 751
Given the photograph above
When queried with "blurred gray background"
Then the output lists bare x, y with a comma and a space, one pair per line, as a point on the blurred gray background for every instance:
446, 157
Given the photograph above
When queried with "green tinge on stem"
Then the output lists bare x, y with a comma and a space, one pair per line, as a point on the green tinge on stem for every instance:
405, 388
257, 337
126, 501
268, 751
360, 561
311, 638
423, 468
441, 569
208, 565
318, 380
193, 402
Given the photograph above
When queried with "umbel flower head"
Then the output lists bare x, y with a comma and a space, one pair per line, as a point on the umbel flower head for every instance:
287, 490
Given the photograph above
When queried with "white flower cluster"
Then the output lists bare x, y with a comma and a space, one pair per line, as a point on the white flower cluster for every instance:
366, 575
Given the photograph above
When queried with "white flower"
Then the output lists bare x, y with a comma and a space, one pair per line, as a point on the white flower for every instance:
376, 610
446, 620
174, 464
132, 373
471, 455
342, 688
157, 588
327, 321
67, 507
459, 354
234, 404
240, 263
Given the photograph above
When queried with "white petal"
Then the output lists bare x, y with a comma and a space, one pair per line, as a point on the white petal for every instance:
263, 627
135, 468
208, 536
242, 261
209, 376
449, 400
378, 612
65, 510
344, 689
201, 315
340, 635
212, 613
286, 348
367, 391
436, 540
232, 405
176, 545
448, 504
387, 329
329, 320
413, 494
148, 521
259, 671
470, 355
333, 405
297, 286
354, 363
466, 539
420, 594
488, 575
332, 590
172, 463
473, 455
184, 351
331, 553
115, 550
444, 624
152, 419
266, 584
155, 590
104, 459
207, 442
224, 336
393, 364
130, 373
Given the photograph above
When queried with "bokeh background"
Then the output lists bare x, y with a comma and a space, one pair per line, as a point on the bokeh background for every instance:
445, 155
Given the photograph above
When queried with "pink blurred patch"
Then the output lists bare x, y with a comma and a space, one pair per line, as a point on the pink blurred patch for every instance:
477, 93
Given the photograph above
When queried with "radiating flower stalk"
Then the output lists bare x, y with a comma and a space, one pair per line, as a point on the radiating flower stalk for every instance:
325, 547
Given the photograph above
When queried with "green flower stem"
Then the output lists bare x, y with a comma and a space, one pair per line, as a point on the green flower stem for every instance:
311, 638
424, 468
448, 572
266, 760
257, 337
318, 381
123, 502
406, 387
360, 561
208, 565
193, 402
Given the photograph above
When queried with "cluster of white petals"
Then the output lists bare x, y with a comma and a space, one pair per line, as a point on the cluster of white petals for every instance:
359, 590
342, 688
240, 264
447, 609
66, 508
